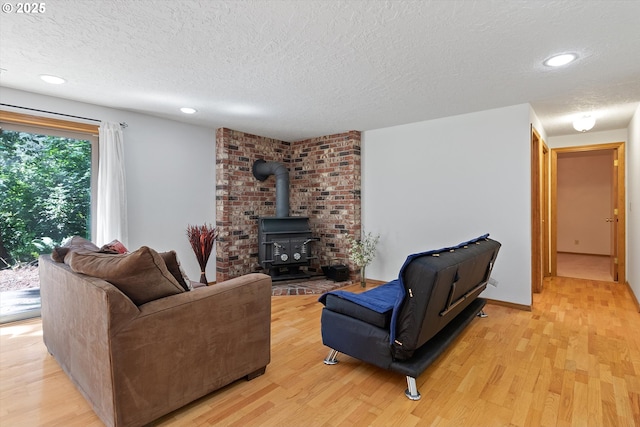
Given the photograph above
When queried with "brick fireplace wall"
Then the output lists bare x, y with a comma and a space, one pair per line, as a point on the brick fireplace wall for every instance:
324, 175
325, 186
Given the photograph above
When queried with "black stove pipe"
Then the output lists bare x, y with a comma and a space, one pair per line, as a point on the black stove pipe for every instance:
262, 170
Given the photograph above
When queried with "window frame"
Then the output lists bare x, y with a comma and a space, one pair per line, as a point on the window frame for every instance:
63, 128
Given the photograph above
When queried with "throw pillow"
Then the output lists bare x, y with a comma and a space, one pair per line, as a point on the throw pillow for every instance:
75, 243
141, 275
173, 265
114, 247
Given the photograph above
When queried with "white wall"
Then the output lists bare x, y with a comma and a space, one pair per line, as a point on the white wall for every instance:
436, 183
587, 138
633, 204
170, 172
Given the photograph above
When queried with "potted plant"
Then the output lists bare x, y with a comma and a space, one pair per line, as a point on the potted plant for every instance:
362, 252
201, 238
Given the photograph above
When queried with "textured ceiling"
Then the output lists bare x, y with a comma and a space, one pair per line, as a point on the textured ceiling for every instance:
296, 69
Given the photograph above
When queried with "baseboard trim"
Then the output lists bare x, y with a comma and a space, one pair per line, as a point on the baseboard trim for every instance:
633, 296
375, 282
509, 305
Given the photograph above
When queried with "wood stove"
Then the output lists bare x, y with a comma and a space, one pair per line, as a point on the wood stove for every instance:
285, 245
284, 242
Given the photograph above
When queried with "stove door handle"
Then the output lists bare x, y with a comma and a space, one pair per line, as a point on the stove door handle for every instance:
274, 243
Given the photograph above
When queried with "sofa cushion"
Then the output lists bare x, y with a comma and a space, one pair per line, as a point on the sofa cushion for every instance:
173, 265
141, 275
75, 243
352, 309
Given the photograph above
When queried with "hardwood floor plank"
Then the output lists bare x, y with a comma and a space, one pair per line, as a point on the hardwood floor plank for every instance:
580, 409
635, 407
623, 402
566, 403
594, 401
361, 414
521, 408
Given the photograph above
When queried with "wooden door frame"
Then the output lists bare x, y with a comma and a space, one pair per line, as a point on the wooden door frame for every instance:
620, 197
546, 234
613, 236
539, 212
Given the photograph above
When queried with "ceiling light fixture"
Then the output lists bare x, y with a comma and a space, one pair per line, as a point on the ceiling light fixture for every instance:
188, 110
560, 60
584, 123
54, 80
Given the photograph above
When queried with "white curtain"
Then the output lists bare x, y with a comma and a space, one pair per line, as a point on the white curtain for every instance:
111, 207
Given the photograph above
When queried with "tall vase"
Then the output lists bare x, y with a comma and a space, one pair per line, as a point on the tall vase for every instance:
203, 278
363, 281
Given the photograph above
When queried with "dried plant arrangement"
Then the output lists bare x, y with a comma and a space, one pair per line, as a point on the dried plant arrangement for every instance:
202, 238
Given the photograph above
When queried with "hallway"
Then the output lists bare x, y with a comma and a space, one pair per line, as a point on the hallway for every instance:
582, 266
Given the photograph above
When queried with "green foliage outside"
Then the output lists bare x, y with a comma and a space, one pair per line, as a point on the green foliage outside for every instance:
45, 194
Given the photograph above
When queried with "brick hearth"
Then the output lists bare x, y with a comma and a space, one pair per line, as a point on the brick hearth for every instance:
312, 286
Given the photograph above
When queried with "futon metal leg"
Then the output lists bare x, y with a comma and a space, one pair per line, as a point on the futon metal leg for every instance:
331, 358
482, 314
412, 390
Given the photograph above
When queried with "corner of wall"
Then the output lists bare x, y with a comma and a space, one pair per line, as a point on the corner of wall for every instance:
537, 124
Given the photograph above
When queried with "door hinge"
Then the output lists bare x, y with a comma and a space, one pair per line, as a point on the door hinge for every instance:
615, 162
615, 260
615, 211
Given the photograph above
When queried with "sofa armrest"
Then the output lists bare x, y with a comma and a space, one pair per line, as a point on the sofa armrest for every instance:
78, 314
356, 338
184, 346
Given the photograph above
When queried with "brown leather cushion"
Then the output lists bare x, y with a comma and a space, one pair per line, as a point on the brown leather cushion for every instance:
173, 265
141, 275
76, 243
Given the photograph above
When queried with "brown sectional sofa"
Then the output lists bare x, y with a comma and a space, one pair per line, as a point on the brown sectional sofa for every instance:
134, 363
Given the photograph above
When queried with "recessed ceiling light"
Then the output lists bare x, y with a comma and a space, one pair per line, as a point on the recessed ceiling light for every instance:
188, 110
54, 80
560, 60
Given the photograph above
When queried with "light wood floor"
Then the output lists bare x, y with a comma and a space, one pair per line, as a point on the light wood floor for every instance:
573, 360
583, 266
